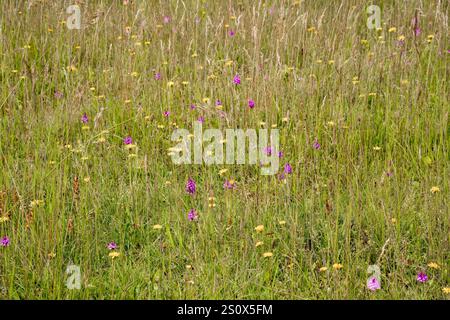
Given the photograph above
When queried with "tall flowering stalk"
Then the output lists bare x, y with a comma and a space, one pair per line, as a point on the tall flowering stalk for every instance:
191, 187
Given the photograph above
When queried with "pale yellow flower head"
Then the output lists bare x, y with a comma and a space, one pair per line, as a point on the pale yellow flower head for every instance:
259, 228
435, 189
337, 266
114, 254
433, 265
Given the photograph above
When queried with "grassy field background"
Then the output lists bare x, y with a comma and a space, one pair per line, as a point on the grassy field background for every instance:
375, 192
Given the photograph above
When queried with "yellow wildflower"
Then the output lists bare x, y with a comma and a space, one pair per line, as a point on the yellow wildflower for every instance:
435, 189
114, 254
259, 228
36, 203
72, 68
337, 266
434, 265
4, 219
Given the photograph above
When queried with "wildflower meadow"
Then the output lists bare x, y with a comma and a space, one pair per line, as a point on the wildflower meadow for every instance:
202, 149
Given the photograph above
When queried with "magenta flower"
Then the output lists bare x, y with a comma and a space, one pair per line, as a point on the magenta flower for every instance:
422, 277
417, 31
316, 145
112, 245
201, 119
192, 106
166, 19
218, 102
58, 94
268, 150
400, 43
166, 113
287, 168
192, 215
231, 33
251, 103
373, 284
84, 118
128, 140
190, 186
4, 242
229, 184
237, 79
280, 154
157, 76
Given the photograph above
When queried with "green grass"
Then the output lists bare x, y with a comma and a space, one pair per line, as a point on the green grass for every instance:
339, 205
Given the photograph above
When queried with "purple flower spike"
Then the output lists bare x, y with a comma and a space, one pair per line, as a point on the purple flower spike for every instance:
112, 245
84, 118
251, 103
316, 145
268, 150
4, 242
287, 168
128, 140
58, 94
237, 79
422, 277
192, 215
190, 186
373, 284
229, 184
